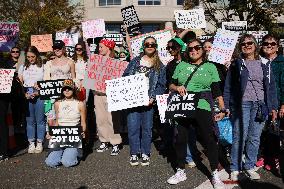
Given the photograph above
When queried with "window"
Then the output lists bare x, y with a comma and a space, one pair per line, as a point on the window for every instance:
109, 2
113, 28
180, 2
149, 2
147, 28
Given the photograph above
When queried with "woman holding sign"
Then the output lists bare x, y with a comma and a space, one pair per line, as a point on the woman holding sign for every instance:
141, 118
202, 78
29, 74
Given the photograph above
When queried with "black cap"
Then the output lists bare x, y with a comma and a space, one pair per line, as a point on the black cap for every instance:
58, 44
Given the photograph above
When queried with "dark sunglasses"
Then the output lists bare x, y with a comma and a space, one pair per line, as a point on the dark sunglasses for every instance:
65, 88
78, 49
31, 56
150, 45
267, 43
171, 47
15, 51
247, 43
197, 48
51, 58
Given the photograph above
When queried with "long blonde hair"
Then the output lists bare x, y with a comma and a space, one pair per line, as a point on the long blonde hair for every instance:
155, 58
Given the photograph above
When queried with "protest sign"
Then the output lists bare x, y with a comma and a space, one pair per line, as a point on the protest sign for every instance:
130, 19
70, 40
281, 42
116, 37
204, 37
127, 92
258, 35
162, 106
9, 34
162, 38
93, 28
181, 106
50, 89
190, 19
101, 68
65, 137
42, 42
6, 78
239, 26
223, 46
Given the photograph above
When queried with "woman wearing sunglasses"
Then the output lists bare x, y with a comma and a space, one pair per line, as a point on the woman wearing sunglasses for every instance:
140, 119
205, 82
250, 94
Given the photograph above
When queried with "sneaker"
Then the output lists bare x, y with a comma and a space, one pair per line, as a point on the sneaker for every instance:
103, 147
145, 160
252, 174
38, 148
234, 176
134, 160
4, 158
115, 150
178, 177
191, 164
31, 149
216, 181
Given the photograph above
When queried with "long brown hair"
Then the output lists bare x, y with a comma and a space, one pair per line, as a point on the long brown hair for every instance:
33, 50
155, 58
84, 52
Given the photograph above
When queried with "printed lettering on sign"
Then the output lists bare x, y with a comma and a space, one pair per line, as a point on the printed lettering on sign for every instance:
50, 89
9, 34
42, 42
6, 78
190, 19
130, 19
93, 28
116, 37
239, 26
258, 35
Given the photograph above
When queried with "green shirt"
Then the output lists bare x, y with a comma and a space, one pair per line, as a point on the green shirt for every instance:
200, 81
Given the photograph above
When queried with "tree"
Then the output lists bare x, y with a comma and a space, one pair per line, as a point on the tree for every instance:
41, 16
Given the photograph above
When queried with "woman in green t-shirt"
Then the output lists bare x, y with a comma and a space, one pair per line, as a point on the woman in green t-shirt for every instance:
205, 82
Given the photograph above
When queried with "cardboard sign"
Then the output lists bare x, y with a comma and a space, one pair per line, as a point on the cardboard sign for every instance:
65, 137
42, 42
93, 28
258, 35
223, 46
162, 106
162, 38
6, 78
190, 19
9, 34
127, 92
130, 19
181, 106
50, 89
116, 37
239, 26
100, 69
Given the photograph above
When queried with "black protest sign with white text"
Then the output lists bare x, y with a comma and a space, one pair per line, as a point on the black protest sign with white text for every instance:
130, 19
50, 89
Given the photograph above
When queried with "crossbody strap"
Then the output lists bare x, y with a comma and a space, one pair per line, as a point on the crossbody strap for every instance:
192, 73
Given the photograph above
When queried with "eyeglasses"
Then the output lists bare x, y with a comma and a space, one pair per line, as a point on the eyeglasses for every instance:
243, 44
267, 43
78, 49
31, 56
150, 45
197, 48
171, 47
15, 51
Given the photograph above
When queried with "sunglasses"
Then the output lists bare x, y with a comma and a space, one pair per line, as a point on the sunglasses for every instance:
197, 48
150, 45
247, 43
171, 47
78, 49
31, 56
15, 51
267, 43
69, 89
51, 58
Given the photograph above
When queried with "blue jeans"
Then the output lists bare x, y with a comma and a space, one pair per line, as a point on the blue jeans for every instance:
36, 120
66, 157
191, 146
246, 136
140, 122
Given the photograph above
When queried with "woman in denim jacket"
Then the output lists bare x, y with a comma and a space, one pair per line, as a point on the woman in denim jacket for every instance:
249, 83
142, 117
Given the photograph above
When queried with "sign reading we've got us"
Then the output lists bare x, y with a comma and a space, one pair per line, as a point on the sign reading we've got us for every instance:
50, 89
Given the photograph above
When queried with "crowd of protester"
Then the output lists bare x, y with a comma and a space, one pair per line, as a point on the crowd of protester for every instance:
249, 90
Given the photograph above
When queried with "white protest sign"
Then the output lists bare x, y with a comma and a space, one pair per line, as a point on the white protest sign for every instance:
258, 35
223, 46
93, 28
190, 19
6, 78
116, 37
162, 38
69, 39
235, 26
9, 33
281, 42
162, 106
127, 92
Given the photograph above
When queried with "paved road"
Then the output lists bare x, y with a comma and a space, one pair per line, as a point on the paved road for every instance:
100, 170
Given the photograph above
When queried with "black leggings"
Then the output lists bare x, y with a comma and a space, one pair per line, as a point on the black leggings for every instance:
203, 123
4, 130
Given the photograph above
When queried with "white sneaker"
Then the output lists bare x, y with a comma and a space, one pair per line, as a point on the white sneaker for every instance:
234, 176
134, 161
252, 174
31, 149
191, 164
38, 148
216, 181
103, 147
178, 177
145, 160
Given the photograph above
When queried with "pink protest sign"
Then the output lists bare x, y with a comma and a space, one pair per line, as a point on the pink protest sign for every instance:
100, 69
6, 78
42, 42
93, 28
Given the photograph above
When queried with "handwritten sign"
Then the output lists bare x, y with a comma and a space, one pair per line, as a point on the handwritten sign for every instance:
42, 42
130, 19
100, 69
9, 34
258, 35
127, 92
93, 28
6, 78
65, 137
190, 19
69, 39
223, 46
239, 26
162, 106
116, 37
162, 38
50, 89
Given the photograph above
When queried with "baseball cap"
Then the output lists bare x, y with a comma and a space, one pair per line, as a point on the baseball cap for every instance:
68, 83
58, 44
